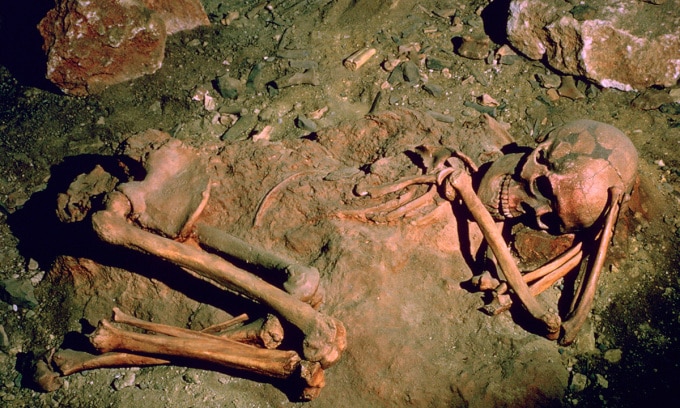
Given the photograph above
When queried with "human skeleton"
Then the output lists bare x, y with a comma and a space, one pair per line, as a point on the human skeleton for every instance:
573, 181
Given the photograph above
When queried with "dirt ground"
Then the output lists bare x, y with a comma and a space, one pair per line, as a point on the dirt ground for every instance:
416, 336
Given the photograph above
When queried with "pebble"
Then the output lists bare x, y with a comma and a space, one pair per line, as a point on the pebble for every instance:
33, 265
411, 72
473, 47
18, 292
227, 86
613, 355
127, 380
549, 81
434, 64
569, 90
578, 382
434, 90
4, 339
304, 123
602, 381
651, 99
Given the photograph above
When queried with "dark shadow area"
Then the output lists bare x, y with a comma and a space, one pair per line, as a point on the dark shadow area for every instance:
495, 17
21, 44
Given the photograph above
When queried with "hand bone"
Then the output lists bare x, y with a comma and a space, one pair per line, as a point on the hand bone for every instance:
462, 183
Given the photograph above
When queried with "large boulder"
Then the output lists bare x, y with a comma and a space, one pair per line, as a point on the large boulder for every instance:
93, 44
627, 45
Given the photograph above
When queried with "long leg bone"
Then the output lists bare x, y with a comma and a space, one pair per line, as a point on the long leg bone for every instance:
584, 298
324, 336
462, 183
230, 354
72, 361
303, 281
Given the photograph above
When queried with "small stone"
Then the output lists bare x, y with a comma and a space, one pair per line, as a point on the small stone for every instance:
601, 381
672, 108
434, 64
434, 90
227, 86
578, 382
651, 99
410, 71
675, 94
569, 90
549, 80
18, 292
473, 47
553, 95
613, 355
191, 377
304, 123
33, 265
127, 380
4, 339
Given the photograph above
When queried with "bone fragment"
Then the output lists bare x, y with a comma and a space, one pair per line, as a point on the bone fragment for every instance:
584, 298
325, 337
314, 379
462, 183
226, 325
265, 331
45, 378
359, 58
302, 281
230, 354
308, 77
485, 281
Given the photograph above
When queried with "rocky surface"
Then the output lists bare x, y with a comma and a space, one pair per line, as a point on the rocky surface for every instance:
92, 45
609, 42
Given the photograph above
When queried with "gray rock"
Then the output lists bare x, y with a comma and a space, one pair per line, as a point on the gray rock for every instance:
18, 292
632, 46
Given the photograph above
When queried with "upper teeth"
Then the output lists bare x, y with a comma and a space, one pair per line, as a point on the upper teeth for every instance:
503, 197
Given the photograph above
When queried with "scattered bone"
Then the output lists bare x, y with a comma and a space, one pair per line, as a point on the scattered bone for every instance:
308, 77
359, 58
72, 361
487, 100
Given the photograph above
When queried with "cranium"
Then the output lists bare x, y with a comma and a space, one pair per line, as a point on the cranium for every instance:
563, 183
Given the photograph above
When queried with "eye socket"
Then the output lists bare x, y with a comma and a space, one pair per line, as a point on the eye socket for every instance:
543, 187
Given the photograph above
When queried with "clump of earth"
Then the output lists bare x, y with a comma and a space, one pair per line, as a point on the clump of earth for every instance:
416, 336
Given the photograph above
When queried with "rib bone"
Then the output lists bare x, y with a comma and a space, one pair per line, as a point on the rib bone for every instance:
324, 336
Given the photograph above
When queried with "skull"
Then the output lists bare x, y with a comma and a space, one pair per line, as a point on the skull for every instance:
563, 184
